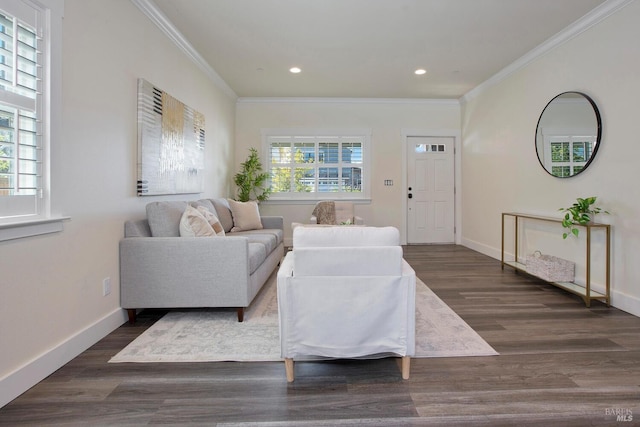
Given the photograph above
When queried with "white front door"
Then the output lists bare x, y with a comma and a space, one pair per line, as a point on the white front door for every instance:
430, 190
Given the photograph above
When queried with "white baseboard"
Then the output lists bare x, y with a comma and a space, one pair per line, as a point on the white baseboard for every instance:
34, 371
619, 300
625, 302
482, 248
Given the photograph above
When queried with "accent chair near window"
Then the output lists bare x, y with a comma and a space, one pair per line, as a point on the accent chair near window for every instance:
335, 213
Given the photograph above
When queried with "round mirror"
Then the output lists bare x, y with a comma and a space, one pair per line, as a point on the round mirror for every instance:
568, 134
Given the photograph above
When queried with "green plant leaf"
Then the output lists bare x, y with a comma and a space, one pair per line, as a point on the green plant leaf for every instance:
581, 212
250, 181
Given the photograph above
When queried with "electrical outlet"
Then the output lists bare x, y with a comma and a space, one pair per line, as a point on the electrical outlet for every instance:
106, 286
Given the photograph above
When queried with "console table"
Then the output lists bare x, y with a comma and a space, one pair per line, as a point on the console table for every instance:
585, 291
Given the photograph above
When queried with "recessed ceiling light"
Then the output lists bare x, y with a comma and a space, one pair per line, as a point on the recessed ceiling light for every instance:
295, 70
420, 71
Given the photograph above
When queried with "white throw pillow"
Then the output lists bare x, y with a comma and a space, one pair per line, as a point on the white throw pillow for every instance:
213, 220
246, 215
194, 224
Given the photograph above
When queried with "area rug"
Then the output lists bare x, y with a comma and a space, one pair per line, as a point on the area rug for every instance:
214, 335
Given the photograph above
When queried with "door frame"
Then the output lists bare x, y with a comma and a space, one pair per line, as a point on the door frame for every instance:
457, 161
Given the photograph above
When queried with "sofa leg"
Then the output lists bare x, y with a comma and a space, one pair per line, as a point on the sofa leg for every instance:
240, 314
132, 315
288, 367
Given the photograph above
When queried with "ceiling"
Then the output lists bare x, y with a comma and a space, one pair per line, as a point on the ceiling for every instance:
366, 48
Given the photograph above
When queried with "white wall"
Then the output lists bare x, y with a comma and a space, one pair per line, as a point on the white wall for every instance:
386, 118
500, 168
51, 299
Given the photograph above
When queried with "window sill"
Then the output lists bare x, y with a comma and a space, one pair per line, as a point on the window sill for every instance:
294, 201
22, 229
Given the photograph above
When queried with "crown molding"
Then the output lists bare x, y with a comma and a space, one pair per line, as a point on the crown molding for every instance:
327, 100
591, 19
150, 9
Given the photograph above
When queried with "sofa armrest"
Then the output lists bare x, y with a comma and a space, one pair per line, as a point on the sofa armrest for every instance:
272, 222
182, 271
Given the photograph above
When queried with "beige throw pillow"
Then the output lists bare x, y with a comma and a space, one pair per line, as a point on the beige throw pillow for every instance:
246, 216
194, 224
213, 220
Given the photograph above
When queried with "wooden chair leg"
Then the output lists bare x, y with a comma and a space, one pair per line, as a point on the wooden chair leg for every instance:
131, 312
240, 314
288, 367
406, 367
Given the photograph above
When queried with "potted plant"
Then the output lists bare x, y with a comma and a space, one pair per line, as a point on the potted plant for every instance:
251, 180
581, 212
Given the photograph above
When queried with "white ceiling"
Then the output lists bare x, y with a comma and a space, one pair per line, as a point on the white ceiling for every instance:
366, 48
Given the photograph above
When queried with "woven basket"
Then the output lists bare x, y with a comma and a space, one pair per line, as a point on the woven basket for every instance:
550, 268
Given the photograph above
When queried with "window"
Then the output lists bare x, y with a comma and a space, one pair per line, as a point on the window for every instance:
22, 111
430, 148
318, 165
569, 154
30, 94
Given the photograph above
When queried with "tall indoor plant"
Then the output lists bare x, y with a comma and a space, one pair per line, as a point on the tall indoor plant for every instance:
581, 212
251, 180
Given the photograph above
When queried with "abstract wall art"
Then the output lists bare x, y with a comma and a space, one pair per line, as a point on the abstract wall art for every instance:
170, 144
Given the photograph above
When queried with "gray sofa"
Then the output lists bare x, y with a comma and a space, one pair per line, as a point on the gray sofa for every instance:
160, 269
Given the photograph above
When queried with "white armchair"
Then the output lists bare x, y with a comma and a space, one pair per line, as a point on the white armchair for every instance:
346, 292
334, 213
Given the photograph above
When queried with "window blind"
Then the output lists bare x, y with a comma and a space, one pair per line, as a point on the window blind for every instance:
20, 111
317, 166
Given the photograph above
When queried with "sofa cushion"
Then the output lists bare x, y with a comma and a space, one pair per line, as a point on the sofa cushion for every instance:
137, 228
276, 236
246, 215
164, 218
269, 240
223, 211
205, 203
257, 255
194, 224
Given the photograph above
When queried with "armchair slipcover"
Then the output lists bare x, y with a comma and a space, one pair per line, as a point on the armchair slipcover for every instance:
346, 292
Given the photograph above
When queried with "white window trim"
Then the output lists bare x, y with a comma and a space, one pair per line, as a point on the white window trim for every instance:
19, 230
45, 222
364, 196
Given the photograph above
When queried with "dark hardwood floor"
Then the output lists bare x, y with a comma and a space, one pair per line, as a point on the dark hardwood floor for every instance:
560, 364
